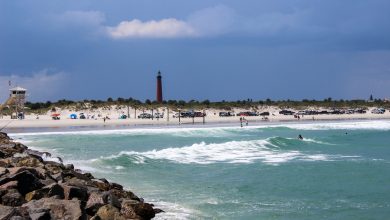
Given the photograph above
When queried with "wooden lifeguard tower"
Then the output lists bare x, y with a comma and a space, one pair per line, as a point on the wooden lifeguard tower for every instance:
15, 102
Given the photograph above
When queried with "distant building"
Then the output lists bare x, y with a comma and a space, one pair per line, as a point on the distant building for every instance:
15, 102
159, 97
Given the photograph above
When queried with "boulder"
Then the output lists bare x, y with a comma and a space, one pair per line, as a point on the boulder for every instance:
109, 212
69, 174
136, 209
95, 201
122, 194
53, 167
127, 209
71, 192
89, 176
10, 185
111, 199
69, 167
48, 181
43, 215
12, 198
27, 182
145, 210
116, 186
36, 194
7, 162
36, 171
59, 209
101, 185
29, 162
47, 191
6, 212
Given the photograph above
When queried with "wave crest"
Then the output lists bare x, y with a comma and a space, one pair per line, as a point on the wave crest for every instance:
228, 152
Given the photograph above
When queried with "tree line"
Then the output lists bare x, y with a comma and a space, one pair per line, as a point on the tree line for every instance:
196, 104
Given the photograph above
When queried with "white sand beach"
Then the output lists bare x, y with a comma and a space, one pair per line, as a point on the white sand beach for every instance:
95, 118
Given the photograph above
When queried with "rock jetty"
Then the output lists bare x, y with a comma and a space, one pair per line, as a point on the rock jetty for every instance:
37, 189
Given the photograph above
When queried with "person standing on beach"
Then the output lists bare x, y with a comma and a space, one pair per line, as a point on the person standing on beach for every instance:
104, 119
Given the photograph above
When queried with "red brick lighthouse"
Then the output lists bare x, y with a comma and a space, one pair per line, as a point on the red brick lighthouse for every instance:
159, 88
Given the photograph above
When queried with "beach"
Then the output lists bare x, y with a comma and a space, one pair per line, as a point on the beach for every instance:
212, 117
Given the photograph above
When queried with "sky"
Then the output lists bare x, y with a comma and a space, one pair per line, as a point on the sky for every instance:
205, 49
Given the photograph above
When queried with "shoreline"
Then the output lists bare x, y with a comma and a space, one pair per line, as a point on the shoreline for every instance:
37, 126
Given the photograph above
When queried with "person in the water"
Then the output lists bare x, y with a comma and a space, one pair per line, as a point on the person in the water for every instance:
300, 137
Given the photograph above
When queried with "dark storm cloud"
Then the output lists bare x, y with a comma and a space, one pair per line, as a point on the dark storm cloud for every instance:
206, 49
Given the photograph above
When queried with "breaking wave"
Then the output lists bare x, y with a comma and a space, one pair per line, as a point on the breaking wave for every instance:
224, 131
266, 151
356, 125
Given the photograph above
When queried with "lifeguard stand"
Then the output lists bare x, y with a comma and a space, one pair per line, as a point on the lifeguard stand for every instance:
16, 101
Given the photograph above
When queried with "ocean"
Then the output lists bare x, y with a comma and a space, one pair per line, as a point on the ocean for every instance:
340, 170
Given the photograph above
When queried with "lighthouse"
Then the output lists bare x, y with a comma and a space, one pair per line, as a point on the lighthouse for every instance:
159, 97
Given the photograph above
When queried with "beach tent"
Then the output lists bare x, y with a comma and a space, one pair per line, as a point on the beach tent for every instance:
73, 116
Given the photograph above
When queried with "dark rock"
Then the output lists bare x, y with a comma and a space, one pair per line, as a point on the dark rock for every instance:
45, 192
116, 186
127, 209
57, 177
69, 167
12, 198
124, 194
59, 209
7, 162
36, 171
71, 192
53, 167
111, 199
27, 182
35, 154
101, 185
158, 211
76, 182
96, 217
144, 210
29, 162
95, 201
55, 190
89, 176
72, 173
20, 148
36, 194
136, 209
109, 212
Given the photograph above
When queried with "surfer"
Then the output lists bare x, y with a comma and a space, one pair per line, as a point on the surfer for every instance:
300, 137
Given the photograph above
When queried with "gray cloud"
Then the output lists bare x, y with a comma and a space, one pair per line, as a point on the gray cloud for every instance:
42, 85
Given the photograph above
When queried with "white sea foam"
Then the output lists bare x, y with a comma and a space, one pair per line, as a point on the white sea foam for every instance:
184, 132
352, 125
173, 211
228, 152
223, 131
